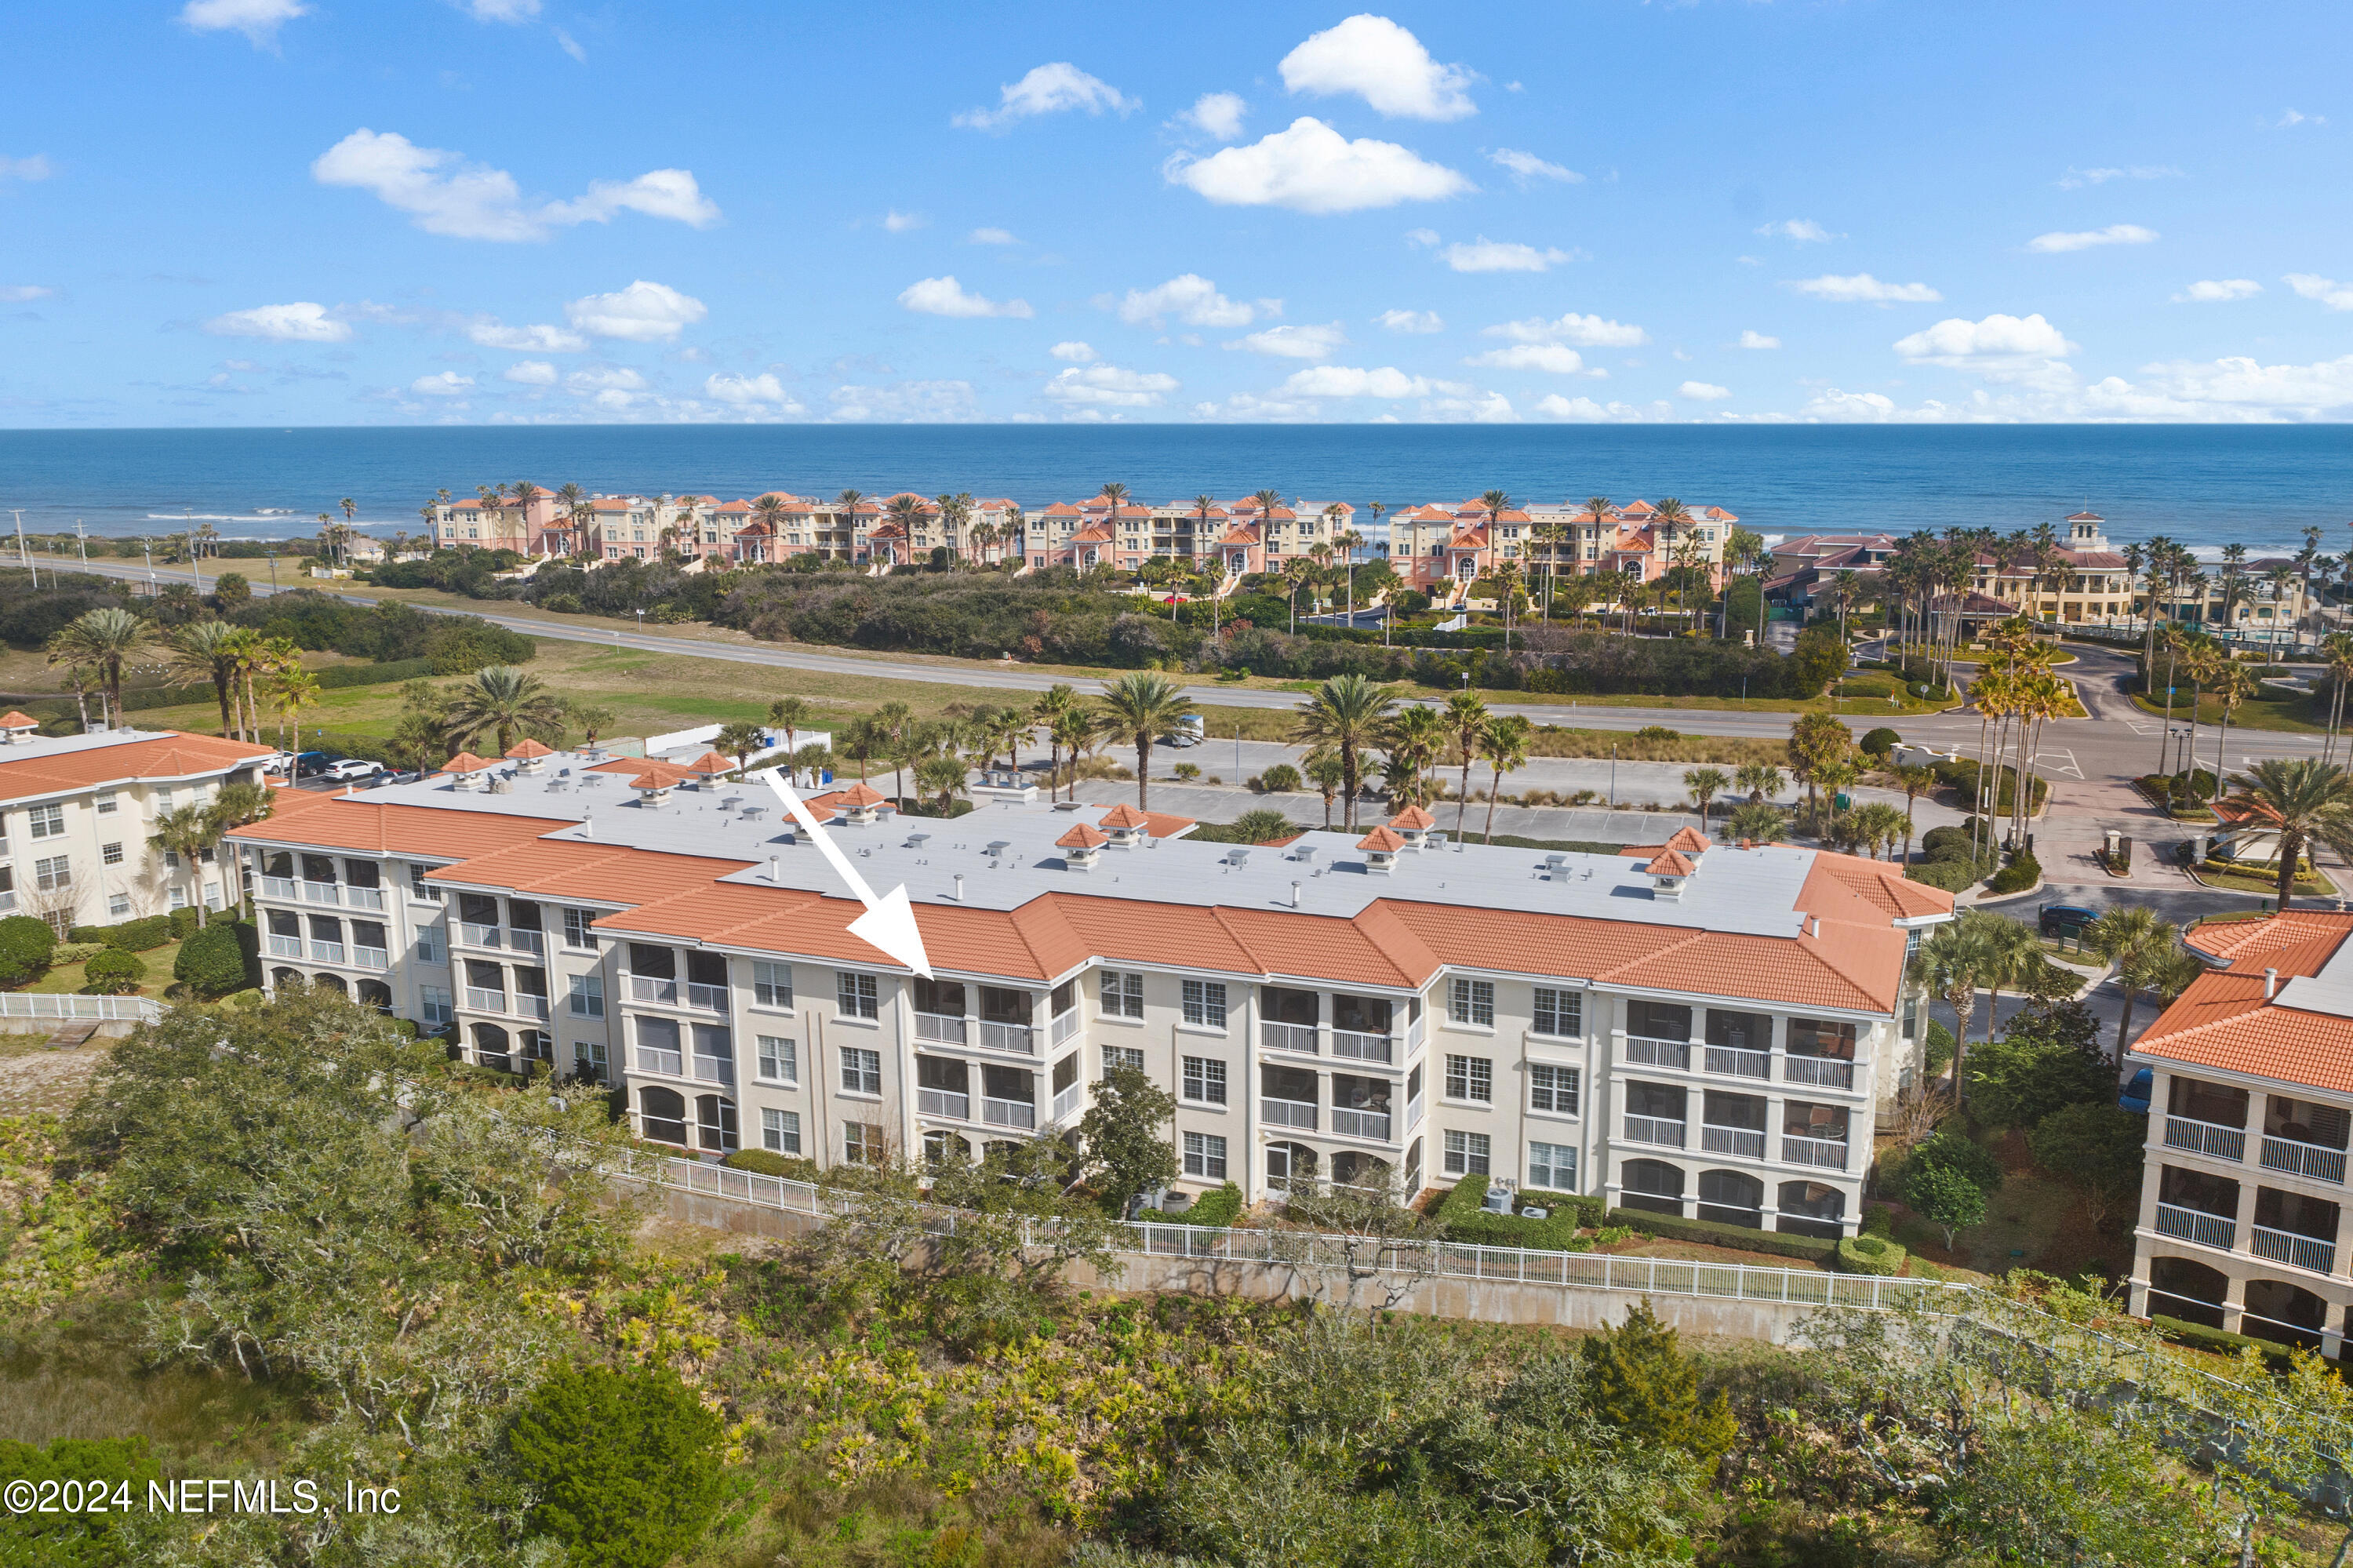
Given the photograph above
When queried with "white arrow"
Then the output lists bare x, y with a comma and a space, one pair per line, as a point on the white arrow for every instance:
889, 923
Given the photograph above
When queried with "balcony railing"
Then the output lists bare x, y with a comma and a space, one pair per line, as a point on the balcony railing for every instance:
1065, 1025
1675, 1054
1413, 1113
1827, 1152
1349, 1123
1735, 1062
285, 946
524, 941
1066, 1101
671, 1063
1654, 1130
2206, 1137
1824, 1072
1361, 1047
652, 987
2303, 1158
1747, 1143
326, 952
531, 1005
1298, 1037
2298, 1251
2196, 1226
364, 898
943, 1102
1287, 1113
1008, 1113
372, 958
1414, 1031
710, 997
475, 935
481, 1000
711, 1069
322, 892
279, 887
942, 1028
1017, 1037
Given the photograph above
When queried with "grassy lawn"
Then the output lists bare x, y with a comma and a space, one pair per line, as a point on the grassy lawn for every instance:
2316, 885
69, 978
2289, 712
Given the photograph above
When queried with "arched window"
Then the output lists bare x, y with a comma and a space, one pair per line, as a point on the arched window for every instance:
1412, 1171
1289, 1162
2288, 1313
1731, 1198
661, 1115
536, 1045
333, 982
1810, 1209
282, 978
375, 994
1355, 1168
491, 1047
1651, 1184
714, 1124
2189, 1291
941, 1147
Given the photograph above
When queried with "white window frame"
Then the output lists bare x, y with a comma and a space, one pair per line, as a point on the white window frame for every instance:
46, 822
577, 933
1471, 1002
780, 1130
1559, 1160
1554, 1001
862, 1070
54, 875
771, 985
106, 804
779, 1059
1119, 993
1471, 1079
1123, 1056
586, 996
1559, 1097
1205, 1156
109, 854
1204, 1081
118, 904
856, 995
1205, 1005
1470, 1154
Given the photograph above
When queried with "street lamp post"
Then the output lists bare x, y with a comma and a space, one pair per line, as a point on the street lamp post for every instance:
273, 571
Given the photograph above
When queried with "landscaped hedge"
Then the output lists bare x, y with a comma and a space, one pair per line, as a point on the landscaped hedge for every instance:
114, 973
1869, 1254
1672, 1228
1946, 875
1217, 1209
765, 1162
2198, 1336
132, 935
2022, 873
1463, 1218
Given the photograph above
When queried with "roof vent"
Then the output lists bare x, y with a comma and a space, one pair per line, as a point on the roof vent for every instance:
729, 802
776, 868
1238, 858
1556, 868
996, 848
917, 840
1303, 854
2271, 984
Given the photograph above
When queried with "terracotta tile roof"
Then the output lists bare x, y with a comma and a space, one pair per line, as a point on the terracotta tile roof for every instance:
355, 822
172, 755
16, 718
1061, 509
1668, 864
1869, 892
1381, 839
1124, 816
1082, 837
710, 762
2222, 1021
1093, 534
647, 772
527, 747
466, 762
1241, 533
1413, 819
1689, 840
2086, 517
861, 794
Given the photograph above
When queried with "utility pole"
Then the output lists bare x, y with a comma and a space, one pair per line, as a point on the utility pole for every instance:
148, 545
24, 556
81, 541
273, 572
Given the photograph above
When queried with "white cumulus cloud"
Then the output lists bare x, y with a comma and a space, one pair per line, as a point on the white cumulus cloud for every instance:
992, 236
946, 297
2336, 296
1862, 288
1584, 410
745, 391
1217, 113
604, 378
537, 338
1073, 352
24, 294
2075, 179
447, 384
2085, 240
1109, 387
532, 373
1189, 296
1584, 332
443, 193
1527, 166
2211, 290
898, 222
1411, 320
1303, 341
908, 403
37, 167
1957, 338
1751, 338
1310, 167
1382, 63
1703, 391
1048, 90
2296, 117
1557, 359
642, 313
1804, 231
301, 322
1485, 255
501, 10
259, 20
1347, 381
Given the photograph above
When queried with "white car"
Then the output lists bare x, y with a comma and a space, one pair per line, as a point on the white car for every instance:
278, 762
351, 768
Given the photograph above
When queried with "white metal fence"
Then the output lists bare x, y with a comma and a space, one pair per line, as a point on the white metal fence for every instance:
65, 1006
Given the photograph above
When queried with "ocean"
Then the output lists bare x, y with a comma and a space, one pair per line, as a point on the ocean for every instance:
2205, 485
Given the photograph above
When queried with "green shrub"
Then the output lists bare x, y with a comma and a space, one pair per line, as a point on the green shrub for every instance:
1880, 742
212, 963
114, 973
1218, 1206
1464, 1219
134, 936
1640, 1381
1937, 1048
1657, 732
1878, 1220
74, 1540
1715, 1233
1871, 1254
1281, 779
244, 1000
2221, 1342
625, 1465
75, 952
1945, 875
1950, 841
185, 922
766, 1162
25, 945
2022, 873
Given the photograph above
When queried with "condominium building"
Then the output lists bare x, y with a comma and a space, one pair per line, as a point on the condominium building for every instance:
1460, 542
2251, 1103
76, 812
1708, 1030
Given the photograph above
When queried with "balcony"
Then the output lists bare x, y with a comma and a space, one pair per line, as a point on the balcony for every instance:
1823, 1072
2296, 1250
1359, 1047
1413, 1113
939, 1028
1373, 1124
709, 998
1742, 1142
1067, 1100
1731, 1061
1827, 1152
1065, 1025
327, 952
1015, 1037
649, 988
481, 1000
1654, 1130
671, 1063
1019, 1113
1298, 1037
2209, 1139
943, 1102
477, 936
531, 1005
2307, 1159
322, 892
372, 958
711, 1069
279, 887
525, 941
1287, 1113
1675, 1054
364, 898
1414, 1031
285, 946
2196, 1226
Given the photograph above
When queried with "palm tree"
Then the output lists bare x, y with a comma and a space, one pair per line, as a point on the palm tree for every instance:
1914, 781
1505, 743
2304, 802
105, 638
184, 833
1295, 573
1347, 541
352, 510
1322, 770
2012, 955
1758, 780
1466, 717
2233, 684
1413, 740
1949, 963
845, 509
898, 721
290, 689
941, 775
2134, 940
1052, 704
742, 741
1268, 500
863, 740
1756, 822
204, 650
2336, 649
502, 699
789, 714
237, 806
1346, 713
1074, 732
1138, 707
1705, 784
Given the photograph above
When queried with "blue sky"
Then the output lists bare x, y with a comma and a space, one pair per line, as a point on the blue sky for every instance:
254, 212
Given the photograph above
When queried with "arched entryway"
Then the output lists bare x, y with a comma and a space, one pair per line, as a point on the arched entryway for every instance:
1653, 1185
1355, 1168
491, 1048
1812, 1209
2276, 1309
282, 978
661, 1115
1732, 1198
941, 1147
2189, 1291
714, 1124
1289, 1162
332, 982
375, 994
